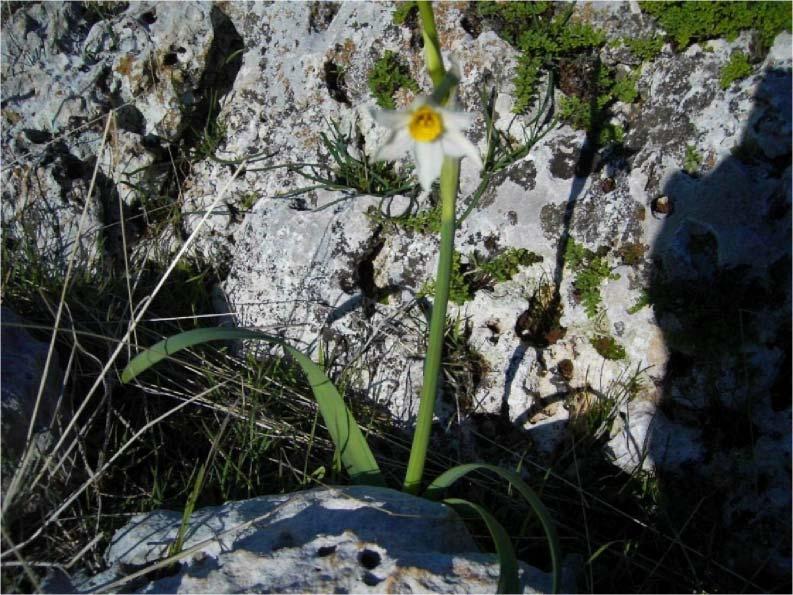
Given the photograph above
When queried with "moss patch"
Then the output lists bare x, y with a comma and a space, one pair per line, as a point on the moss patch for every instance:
387, 76
632, 253
587, 106
607, 346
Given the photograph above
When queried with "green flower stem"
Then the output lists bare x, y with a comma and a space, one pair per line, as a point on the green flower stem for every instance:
450, 174
432, 45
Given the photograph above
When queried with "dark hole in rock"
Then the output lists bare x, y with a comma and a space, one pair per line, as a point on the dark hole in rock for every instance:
73, 168
471, 21
326, 550
607, 185
170, 59
577, 76
31, 24
493, 326
661, 207
321, 15
180, 50
334, 80
565, 368
284, 540
151, 142
103, 80
539, 324
370, 579
363, 279
369, 559
148, 18
37, 136
131, 119
223, 62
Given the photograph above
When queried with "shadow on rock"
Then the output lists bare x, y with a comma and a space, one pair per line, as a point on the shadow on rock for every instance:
720, 289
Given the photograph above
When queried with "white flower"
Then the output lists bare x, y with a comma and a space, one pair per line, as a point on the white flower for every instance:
431, 131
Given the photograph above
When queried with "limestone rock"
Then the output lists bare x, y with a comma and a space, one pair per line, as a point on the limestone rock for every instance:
647, 440
353, 539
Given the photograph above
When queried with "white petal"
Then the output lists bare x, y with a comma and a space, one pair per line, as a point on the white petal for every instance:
398, 143
454, 120
390, 118
419, 101
456, 145
429, 160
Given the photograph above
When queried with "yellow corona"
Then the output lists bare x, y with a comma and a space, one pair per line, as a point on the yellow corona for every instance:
426, 124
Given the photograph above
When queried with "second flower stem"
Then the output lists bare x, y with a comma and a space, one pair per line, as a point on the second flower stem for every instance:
432, 364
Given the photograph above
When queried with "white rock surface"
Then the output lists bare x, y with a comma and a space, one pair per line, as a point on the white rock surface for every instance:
647, 440
327, 540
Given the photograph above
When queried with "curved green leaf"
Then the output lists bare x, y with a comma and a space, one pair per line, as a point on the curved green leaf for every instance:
356, 456
508, 581
447, 478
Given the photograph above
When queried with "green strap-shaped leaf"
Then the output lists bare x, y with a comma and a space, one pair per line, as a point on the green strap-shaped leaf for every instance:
443, 481
356, 457
508, 581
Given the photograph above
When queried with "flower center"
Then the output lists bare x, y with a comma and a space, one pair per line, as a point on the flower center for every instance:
425, 124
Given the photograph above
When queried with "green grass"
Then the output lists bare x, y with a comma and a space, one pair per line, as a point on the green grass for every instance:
351, 171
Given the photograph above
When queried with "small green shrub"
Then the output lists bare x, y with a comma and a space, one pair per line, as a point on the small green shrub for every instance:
403, 10
590, 270
594, 115
646, 49
387, 76
692, 160
506, 265
427, 221
543, 33
478, 274
624, 89
642, 301
737, 68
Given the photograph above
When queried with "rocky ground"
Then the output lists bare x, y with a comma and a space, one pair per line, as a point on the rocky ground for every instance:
637, 283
